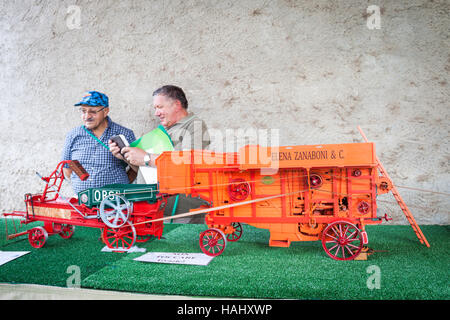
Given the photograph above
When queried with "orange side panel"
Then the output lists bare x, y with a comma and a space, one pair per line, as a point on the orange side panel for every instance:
172, 177
186, 171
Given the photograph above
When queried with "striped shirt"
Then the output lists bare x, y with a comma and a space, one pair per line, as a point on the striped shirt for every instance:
97, 160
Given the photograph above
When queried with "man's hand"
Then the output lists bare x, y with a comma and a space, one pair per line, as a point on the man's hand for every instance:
115, 150
134, 156
67, 173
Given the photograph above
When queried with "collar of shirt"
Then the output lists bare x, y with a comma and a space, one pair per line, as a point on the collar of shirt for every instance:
182, 121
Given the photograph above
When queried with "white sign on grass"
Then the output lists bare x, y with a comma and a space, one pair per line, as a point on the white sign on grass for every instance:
199, 259
120, 249
7, 256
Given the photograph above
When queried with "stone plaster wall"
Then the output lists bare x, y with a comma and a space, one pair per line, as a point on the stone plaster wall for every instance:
311, 71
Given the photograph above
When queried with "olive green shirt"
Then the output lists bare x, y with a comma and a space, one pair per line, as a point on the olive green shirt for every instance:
189, 133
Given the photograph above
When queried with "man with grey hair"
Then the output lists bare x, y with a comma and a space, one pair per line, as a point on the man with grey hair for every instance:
186, 130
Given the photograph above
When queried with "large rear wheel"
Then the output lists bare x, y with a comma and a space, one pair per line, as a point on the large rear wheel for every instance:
122, 238
342, 240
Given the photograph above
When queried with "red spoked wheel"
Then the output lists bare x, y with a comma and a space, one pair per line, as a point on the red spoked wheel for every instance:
143, 232
37, 237
212, 242
237, 233
122, 238
238, 189
342, 240
67, 231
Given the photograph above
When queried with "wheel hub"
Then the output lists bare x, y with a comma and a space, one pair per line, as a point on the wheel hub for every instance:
343, 241
212, 242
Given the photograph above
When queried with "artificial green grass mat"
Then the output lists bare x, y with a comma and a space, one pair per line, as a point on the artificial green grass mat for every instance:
50, 265
249, 268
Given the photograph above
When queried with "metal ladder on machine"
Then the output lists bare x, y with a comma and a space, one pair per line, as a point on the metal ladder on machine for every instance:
399, 199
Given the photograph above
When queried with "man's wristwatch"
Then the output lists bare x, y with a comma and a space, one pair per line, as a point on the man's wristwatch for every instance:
147, 160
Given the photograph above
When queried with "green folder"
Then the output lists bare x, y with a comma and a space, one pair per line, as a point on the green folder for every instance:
156, 141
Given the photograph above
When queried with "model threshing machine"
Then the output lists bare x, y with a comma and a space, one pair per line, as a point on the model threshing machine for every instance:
298, 193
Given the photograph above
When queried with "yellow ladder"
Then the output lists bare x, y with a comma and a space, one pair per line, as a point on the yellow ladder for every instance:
399, 199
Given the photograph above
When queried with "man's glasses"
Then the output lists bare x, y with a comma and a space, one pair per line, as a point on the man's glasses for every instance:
90, 112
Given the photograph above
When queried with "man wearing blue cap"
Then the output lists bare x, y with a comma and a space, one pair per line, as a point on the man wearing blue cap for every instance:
88, 144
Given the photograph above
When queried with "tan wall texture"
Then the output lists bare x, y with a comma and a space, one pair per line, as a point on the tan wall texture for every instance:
313, 70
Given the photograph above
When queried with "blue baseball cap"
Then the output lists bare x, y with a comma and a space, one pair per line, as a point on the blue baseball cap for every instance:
95, 99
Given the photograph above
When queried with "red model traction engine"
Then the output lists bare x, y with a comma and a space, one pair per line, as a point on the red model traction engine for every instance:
115, 209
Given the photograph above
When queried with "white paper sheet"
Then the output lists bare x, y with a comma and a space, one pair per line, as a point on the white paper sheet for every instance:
199, 259
7, 256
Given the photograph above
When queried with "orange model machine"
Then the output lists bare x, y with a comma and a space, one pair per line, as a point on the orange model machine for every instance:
299, 193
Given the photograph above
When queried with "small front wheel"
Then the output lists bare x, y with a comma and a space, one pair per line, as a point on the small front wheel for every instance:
67, 231
143, 238
37, 237
213, 242
237, 233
